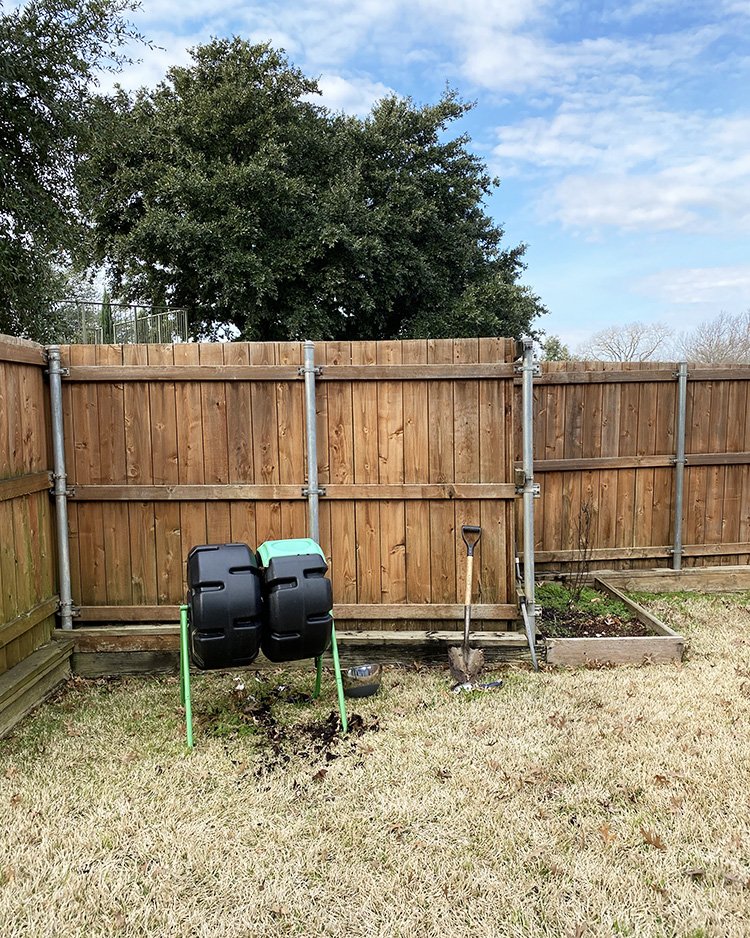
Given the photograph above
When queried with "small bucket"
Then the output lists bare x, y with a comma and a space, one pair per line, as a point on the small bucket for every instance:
362, 680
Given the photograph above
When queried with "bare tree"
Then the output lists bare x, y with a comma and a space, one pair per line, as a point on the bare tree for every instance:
724, 339
630, 342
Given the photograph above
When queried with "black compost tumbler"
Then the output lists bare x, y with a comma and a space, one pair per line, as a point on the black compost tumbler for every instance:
279, 602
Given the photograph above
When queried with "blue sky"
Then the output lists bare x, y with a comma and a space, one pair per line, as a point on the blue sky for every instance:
620, 130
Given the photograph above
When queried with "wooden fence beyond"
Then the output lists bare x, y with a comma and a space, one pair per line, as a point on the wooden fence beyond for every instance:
605, 437
27, 559
171, 446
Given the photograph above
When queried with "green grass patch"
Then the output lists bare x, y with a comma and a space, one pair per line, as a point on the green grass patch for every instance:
558, 597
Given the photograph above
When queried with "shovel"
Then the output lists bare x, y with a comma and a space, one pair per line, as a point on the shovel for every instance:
466, 663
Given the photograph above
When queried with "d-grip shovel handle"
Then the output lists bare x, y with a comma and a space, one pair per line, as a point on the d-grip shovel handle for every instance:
474, 533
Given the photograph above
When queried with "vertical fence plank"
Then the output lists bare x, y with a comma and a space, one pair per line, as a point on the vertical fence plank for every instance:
189, 453
240, 445
467, 459
644, 478
416, 469
716, 433
442, 469
391, 454
111, 445
341, 470
366, 470
492, 444
140, 470
165, 455
266, 453
290, 404
215, 442
88, 470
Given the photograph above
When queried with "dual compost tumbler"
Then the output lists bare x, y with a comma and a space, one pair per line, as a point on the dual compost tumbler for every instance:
278, 601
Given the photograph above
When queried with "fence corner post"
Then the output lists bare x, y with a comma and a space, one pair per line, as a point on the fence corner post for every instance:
60, 489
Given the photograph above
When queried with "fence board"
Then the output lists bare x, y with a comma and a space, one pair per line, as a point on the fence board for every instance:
340, 438
27, 561
366, 471
417, 512
391, 463
441, 468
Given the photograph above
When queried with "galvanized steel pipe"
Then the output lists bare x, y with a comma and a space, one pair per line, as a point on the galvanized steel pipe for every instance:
60, 485
528, 369
313, 516
679, 476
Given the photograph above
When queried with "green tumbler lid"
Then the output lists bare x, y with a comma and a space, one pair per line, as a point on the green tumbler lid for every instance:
291, 547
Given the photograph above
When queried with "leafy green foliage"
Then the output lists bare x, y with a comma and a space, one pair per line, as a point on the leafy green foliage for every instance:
228, 191
555, 350
50, 52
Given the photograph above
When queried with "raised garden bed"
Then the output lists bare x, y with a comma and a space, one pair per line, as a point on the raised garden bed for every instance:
603, 627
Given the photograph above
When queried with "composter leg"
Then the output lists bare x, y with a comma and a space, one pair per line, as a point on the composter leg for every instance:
318, 676
339, 681
185, 698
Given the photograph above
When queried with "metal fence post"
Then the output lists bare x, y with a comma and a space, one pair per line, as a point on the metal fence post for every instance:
60, 485
530, 490
679, 463
312, 491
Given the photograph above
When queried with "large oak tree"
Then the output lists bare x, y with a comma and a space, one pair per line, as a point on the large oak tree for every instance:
228, 190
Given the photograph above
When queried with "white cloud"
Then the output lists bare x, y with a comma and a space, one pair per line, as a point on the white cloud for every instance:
636, 166
351, 95
717, 288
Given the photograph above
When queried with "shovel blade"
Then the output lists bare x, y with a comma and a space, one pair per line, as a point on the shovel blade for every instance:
465, 668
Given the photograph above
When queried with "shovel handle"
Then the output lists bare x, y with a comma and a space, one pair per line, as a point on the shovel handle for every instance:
469, 573
471, 533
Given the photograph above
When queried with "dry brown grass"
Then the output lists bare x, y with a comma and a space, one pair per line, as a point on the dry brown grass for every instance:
566, 804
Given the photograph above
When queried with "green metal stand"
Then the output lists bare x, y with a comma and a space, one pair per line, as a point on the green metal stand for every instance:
185, 695
339, 682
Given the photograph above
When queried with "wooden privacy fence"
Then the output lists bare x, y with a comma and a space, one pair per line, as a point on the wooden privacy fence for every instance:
605, 436
171, 446
28, 599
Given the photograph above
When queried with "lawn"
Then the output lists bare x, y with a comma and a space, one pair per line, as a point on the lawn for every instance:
580, 803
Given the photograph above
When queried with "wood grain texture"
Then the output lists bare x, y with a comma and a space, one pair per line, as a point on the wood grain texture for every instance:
581, 652
346, 611
28, 574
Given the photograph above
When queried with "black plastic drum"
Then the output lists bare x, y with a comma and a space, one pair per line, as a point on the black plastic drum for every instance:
225, 605
297, 608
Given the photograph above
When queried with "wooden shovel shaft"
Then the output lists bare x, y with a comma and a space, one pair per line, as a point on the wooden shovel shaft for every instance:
467, 602
469, 573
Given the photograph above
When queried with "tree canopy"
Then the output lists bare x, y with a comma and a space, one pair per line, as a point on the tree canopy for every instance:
50, 53
724, 339
629, 342
554, 350
227, 190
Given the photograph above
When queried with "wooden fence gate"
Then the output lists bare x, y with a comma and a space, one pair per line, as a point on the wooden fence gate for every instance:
176, 445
